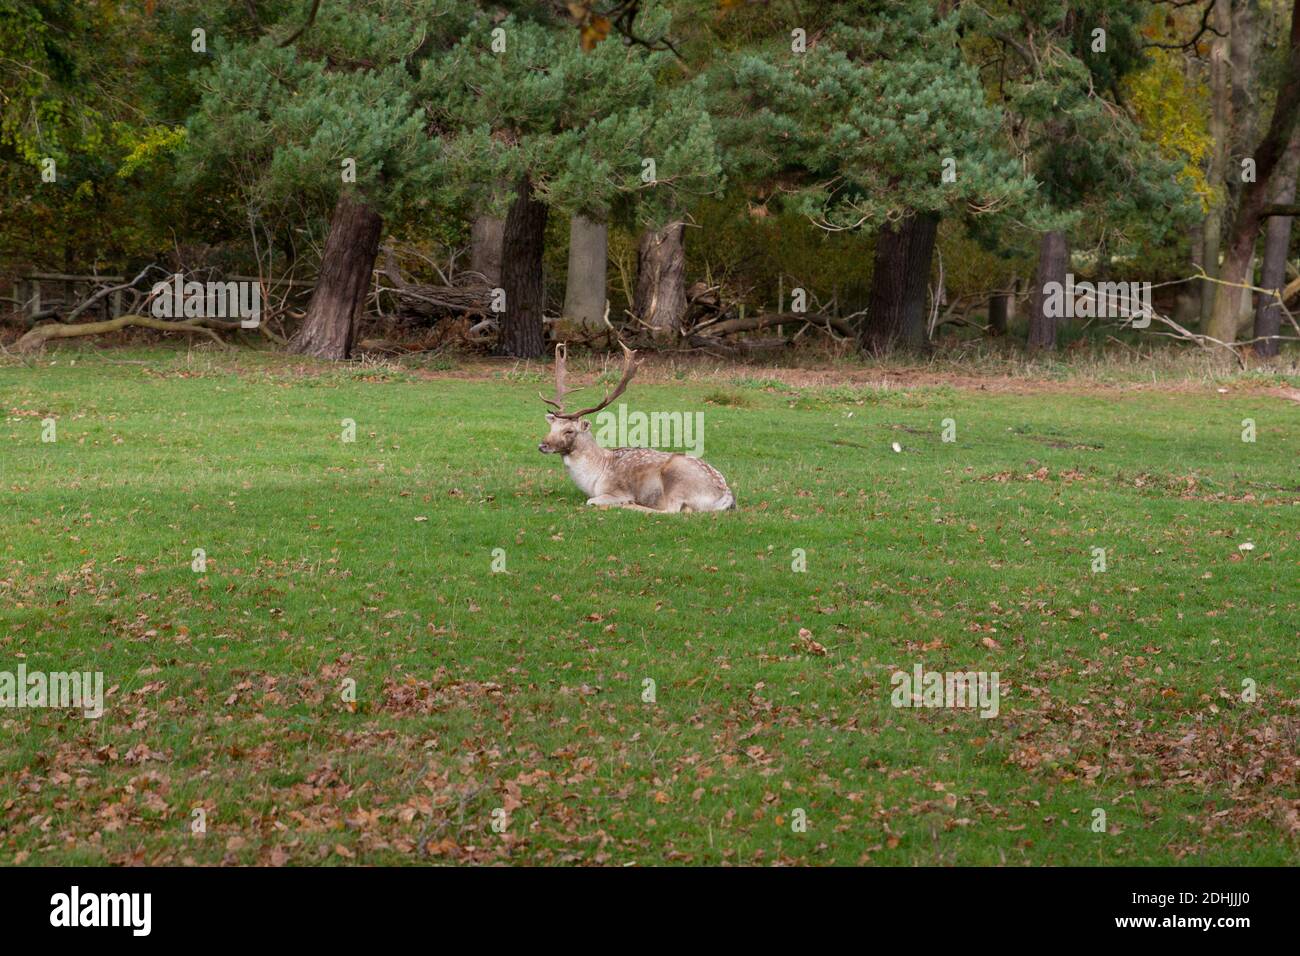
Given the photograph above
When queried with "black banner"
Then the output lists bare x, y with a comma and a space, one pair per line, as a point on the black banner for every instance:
925, 907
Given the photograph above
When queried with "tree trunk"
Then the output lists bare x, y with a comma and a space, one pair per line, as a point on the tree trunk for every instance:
1244, 51
1192, 295
660, 299
1277, 242
1246, 303
1244, 54
896, 306
1053, 263
1220, 131
1254, 196
485, 237
523, 242
344, 281
584, 291
998, 313
1190, 301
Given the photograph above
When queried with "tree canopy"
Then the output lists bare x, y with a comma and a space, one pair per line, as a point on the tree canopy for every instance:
864, 139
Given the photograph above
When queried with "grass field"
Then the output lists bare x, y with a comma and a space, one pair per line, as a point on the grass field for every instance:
519, 697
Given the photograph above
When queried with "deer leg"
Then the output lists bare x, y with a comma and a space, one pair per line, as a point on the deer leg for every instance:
618, 501
610, 501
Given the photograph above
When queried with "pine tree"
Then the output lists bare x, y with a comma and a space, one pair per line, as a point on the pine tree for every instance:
584, 131
870, 118
322, 116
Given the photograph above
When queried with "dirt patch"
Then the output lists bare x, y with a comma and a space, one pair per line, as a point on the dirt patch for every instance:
1009, 372
663, 368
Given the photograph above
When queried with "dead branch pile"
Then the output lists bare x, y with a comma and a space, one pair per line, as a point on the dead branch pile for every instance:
467, 304
432, 302
711, 323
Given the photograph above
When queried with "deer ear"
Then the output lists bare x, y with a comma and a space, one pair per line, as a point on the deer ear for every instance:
550, 417
585, 425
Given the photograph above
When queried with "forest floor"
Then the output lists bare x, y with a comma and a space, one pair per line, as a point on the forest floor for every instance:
421, 646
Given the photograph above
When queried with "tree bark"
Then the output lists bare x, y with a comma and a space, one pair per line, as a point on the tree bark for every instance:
346, 266
1191, 300
896, 305
523, 242
1254, 197
1244, 53
1220, 131
660, 298
1192, 297
584, 291
1277, 242
485, 237
1053, 263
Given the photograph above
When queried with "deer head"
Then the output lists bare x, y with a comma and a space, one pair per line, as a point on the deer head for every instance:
568, 428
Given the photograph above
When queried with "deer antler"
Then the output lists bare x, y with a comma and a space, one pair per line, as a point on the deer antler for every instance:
630, 364
557, 403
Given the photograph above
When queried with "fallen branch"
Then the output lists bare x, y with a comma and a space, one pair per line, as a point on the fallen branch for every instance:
37, 337
768, 319
1208, 342
963, 321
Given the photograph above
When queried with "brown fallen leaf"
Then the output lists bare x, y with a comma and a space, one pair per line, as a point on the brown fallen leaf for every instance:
807, 644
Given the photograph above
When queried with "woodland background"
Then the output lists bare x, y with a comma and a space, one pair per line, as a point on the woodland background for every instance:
669, 171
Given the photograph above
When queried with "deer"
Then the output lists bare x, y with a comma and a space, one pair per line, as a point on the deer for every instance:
638, 479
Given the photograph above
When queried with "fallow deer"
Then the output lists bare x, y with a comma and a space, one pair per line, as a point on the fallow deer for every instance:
641, 479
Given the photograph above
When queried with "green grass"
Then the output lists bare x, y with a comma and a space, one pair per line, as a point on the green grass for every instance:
522, 691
